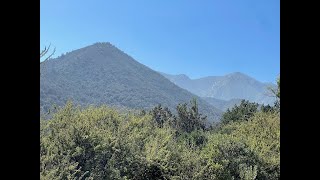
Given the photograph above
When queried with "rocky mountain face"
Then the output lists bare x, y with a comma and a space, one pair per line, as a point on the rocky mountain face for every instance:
227, 88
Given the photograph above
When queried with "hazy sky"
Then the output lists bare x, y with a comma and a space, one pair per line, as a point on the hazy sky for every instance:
193, 37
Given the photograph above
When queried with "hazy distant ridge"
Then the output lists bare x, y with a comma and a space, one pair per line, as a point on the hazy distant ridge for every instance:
231, 86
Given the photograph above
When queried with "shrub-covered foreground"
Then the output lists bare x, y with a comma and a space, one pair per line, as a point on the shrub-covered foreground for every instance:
100, 143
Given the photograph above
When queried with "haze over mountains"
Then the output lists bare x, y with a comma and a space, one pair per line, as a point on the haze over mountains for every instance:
222, 104
224, 91
102, 74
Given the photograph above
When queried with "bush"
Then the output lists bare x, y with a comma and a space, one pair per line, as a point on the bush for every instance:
102, 143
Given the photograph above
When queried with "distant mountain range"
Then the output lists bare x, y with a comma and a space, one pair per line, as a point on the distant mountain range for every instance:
222, 104
102, 74
223, 91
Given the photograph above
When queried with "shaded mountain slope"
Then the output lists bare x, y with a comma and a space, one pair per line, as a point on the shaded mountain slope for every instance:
103, 74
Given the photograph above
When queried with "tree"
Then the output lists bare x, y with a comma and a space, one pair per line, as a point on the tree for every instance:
276, 93
261, 134
190, 119
241, 112
267, 108
277, 103
162, 115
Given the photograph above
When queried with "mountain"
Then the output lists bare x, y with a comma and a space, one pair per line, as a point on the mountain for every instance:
102, 74
231, 86
222, 104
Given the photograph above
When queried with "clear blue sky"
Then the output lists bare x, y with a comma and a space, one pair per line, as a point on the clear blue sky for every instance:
193, 37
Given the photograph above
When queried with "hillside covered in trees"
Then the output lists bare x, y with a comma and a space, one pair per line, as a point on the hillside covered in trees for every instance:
102, 74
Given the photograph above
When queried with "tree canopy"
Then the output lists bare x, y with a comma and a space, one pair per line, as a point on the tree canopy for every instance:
103, 143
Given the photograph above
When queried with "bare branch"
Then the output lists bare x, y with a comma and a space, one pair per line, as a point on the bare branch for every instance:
45, 51
271, 91
54, 50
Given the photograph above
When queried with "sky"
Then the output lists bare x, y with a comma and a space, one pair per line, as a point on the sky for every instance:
194, 37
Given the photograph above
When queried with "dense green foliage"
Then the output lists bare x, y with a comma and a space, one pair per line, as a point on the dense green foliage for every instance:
102, 143
242, 112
